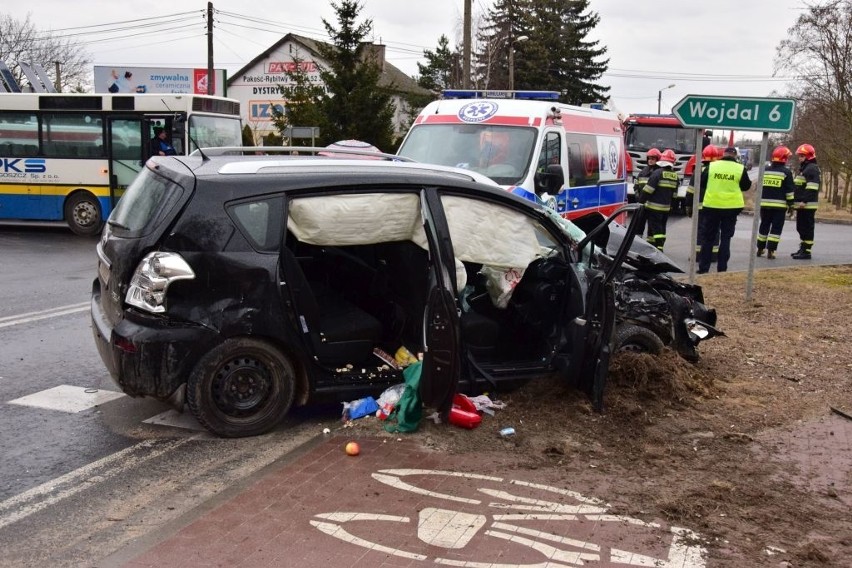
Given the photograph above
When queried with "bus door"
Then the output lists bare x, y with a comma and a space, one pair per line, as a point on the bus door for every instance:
127, 153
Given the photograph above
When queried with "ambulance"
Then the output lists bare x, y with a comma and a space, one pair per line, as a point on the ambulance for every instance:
567, 157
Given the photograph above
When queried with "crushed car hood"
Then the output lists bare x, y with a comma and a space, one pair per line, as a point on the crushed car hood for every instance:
642, 255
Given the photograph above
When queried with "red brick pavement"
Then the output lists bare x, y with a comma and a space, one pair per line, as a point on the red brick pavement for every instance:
276, 520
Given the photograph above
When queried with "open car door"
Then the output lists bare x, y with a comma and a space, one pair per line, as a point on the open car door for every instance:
441, 357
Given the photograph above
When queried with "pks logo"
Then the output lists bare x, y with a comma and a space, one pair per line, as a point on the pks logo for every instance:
477, 112
22, 166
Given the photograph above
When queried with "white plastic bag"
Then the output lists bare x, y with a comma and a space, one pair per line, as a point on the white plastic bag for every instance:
388, 400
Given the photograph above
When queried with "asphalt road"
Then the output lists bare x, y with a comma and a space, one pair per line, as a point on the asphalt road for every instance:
82, 472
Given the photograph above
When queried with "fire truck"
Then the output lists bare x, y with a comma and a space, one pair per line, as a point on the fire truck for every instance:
661, 131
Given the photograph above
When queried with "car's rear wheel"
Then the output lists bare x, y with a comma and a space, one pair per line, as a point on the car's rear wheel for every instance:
637, 339
242, 387
83, 213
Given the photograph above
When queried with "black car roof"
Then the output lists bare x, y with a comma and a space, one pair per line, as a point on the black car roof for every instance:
314, 171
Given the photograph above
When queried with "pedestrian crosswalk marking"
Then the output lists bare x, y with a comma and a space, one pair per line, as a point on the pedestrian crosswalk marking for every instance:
67, 398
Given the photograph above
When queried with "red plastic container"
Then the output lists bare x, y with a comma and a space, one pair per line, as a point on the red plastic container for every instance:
463, 413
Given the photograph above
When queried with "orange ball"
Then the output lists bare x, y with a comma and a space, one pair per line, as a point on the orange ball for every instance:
353, 449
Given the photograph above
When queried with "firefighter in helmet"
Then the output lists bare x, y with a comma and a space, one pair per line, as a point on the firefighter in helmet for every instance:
776, 199
657, 197
807, 199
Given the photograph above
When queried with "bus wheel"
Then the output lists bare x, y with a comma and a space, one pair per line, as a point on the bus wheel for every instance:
83, 213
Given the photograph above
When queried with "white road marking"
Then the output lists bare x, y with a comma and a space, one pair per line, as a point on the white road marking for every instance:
448, 529
176, 419
9, 321
67, 398
547, 536
38, 498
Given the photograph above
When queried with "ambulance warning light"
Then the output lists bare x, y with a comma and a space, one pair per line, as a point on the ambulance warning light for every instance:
518, 95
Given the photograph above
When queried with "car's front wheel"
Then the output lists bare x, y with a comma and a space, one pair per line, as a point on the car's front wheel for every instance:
630, 337
242, 387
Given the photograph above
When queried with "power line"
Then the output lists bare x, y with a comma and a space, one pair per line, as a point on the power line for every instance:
128, 21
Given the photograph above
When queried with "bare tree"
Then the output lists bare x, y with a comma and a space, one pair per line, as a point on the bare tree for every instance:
818, 52
20, 40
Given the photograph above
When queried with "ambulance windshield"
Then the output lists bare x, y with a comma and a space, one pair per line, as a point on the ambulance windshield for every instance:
503, 153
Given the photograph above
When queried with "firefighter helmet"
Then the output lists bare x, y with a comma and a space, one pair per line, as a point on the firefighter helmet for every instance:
654, 153
806, 151
781, 154
710, 153
667, 158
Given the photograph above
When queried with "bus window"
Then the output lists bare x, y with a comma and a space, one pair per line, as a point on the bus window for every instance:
70, 135
19, 134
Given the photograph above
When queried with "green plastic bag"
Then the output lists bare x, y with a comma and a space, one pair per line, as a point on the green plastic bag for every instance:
406, 415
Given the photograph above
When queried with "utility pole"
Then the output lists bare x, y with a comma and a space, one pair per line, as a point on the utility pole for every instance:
58, 76
466, 48
210, 85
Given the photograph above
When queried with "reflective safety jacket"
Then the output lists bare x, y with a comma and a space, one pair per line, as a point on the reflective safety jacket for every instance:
657, 193
778, 187
725, 181
808, 184
643, 177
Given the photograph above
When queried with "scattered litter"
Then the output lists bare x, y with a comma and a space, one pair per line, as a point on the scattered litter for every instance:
434, 417
772, 550
326, 431
388, 400
840, 413
386, 357
359, 408
738, 436
463, 412
507, 432
484, 404
404, 357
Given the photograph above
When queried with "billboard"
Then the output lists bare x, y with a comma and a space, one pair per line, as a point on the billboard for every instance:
119, 79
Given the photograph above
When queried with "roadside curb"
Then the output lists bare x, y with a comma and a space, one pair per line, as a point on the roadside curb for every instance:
827, 221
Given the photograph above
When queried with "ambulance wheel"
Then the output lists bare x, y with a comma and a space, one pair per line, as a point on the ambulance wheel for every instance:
83, 213
637, 339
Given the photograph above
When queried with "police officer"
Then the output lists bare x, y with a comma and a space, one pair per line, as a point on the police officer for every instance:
710, 153
775, 201
725, 181
657, 197
807, 199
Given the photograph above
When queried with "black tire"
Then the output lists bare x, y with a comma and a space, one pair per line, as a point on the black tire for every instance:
242, 387
83, 213
630, 337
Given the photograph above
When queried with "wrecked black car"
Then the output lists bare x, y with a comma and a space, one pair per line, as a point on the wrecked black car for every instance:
242, 285
653, 310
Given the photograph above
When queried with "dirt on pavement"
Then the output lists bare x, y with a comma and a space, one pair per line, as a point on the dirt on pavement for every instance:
721, 446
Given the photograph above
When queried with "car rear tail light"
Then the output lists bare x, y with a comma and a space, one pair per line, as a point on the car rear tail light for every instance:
151, 280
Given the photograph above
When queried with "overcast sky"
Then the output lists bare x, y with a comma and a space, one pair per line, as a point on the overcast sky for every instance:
724, 47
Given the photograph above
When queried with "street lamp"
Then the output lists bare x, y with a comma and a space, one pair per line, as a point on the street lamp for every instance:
660, 97
512, 43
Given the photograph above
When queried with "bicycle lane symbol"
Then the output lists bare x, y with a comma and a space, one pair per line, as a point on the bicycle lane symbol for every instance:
556, 512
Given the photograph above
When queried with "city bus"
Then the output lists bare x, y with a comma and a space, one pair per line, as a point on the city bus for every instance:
70, 156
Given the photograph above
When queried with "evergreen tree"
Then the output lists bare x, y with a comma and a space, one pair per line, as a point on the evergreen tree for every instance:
303, 99
443, 69
355, 105
558, 56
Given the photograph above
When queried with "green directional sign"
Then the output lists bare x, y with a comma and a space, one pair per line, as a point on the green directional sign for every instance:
736, 113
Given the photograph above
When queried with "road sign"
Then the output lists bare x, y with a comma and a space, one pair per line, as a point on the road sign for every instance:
737, 113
